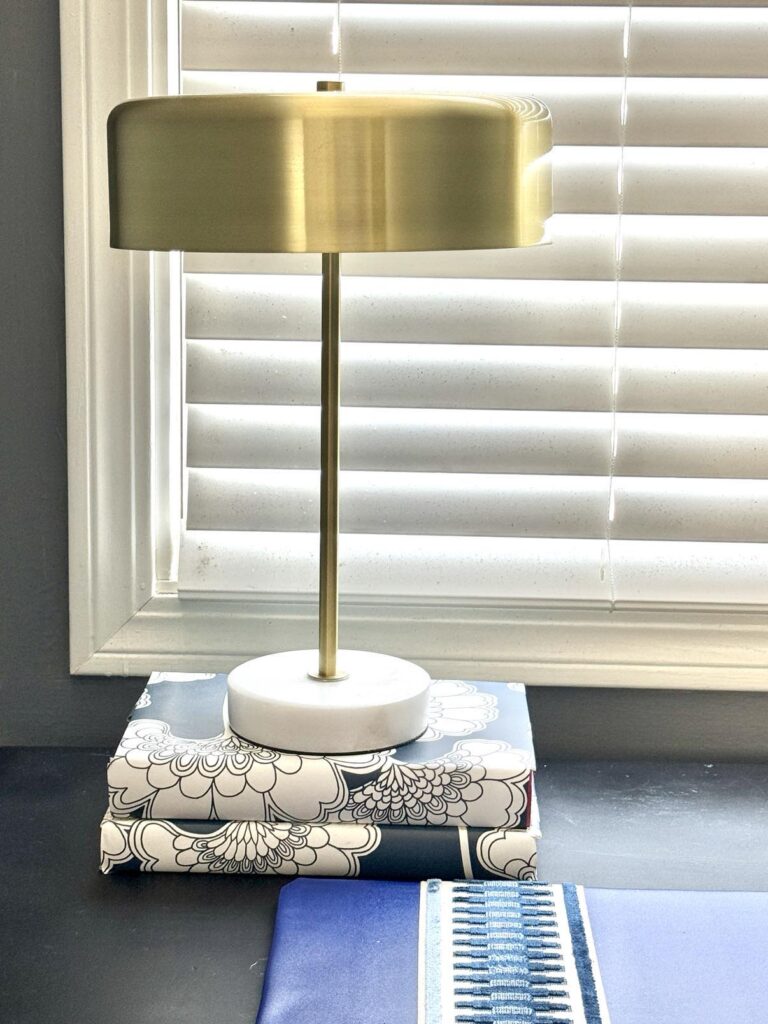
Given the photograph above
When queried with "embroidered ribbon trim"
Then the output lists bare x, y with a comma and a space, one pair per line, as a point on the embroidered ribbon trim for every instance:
507, 953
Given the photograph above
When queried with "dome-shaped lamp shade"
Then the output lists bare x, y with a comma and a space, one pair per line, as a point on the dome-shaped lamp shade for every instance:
328, 172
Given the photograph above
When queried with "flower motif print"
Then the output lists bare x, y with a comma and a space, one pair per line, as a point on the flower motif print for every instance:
508, 854
524, 870
253, 847
414, 794
223, 777
244, 847
457, 709
477, 783
115, 850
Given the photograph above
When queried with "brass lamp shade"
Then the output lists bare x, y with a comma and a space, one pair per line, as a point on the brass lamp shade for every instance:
328, 172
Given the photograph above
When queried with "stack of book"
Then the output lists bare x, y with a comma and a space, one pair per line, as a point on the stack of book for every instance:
187, 794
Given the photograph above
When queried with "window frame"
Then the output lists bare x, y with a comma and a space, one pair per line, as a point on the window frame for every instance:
124, 373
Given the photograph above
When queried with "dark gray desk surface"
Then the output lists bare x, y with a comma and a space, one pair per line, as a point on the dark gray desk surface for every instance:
80, 948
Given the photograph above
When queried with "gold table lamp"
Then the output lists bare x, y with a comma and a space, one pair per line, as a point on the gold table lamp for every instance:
328, 172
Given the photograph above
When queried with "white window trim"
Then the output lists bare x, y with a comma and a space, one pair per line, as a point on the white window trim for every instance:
125, 617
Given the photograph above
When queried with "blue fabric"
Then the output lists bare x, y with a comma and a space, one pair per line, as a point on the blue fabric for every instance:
346, 952
682, 957
343, 953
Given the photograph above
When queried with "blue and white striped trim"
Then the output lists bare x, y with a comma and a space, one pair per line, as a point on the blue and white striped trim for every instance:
507, 953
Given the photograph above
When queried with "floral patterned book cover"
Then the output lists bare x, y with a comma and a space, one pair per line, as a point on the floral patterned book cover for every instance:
178, 759
347, 850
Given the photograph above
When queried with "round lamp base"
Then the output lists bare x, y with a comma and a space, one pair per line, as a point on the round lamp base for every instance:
381, 702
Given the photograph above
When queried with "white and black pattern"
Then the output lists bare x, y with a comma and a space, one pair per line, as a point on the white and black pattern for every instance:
457, 708
480, 780
289, 848
499, 853
244, 847
226, 778
458, 787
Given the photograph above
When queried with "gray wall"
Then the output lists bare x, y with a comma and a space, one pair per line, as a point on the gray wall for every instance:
40, 704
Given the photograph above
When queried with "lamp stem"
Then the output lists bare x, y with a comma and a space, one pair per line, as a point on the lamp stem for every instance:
330, 399
329, 469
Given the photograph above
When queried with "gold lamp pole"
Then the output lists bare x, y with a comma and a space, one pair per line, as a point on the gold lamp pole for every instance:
328, 172
329, 472
330, 399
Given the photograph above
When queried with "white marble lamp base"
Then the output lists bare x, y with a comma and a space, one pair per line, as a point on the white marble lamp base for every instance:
382, 702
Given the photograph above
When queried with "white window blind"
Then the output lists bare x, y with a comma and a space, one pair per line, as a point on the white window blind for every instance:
584, 422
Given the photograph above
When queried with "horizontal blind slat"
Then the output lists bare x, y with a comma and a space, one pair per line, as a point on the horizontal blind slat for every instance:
407, 39
679, 248
447, 504
693, 380
697, 112
654, 314
669, 180
491, 311
671, 572
397, 375
482, 441
661, 314
692, 445
691, 510
239, 564
724, 42
452, 376
474, 505
428, 440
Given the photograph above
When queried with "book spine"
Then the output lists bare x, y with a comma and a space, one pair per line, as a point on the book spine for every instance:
336, 850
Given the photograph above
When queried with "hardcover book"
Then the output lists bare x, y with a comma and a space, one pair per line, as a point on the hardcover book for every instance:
514, 953
178, 759
348, 850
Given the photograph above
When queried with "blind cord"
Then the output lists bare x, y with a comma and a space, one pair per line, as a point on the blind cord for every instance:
336, 38
619, 263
